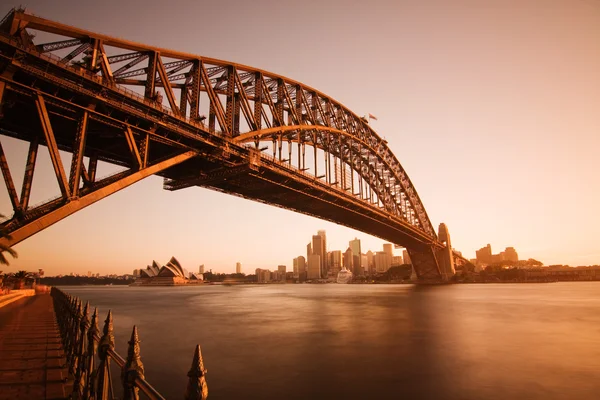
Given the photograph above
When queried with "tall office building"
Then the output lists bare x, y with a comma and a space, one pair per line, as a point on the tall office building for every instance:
335, 261
354, 265
300, 268
510, 254
388, 248
201, 269
348, 262
484, 255
318, 248
370, 262
355, 246
238, 267
324, 260
281, 270
308, 250
314, 267
383, 261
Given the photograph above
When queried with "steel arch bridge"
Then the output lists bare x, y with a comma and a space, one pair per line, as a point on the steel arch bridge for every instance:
196, 121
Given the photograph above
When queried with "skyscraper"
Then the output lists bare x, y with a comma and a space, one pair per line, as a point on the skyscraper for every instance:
355, 263
201, 269
318, 248
314, 267
406, 257
348, 262
335, 261
370, 262
324, 260
238, 267
388, 248
300, 268
383, 261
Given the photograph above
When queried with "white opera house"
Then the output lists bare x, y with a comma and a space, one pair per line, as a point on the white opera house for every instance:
168, 275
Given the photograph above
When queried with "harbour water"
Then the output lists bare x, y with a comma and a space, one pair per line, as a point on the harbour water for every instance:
493, 341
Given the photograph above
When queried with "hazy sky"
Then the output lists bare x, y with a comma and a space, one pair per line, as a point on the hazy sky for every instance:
492, 107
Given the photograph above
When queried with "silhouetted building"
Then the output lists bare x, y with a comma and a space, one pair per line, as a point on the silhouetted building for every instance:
510, 254
201, 269
396, 261
484, 255
238, 268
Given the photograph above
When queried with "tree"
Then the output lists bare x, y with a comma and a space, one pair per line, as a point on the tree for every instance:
5, 248
20, 277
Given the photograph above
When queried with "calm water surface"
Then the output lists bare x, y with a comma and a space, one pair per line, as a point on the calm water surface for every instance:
504, 341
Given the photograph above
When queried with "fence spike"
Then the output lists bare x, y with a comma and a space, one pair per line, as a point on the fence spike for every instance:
197, 388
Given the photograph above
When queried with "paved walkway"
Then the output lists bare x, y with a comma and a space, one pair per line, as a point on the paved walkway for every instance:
31, 356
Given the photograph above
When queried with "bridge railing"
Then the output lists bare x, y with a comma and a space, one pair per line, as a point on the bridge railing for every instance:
89, 354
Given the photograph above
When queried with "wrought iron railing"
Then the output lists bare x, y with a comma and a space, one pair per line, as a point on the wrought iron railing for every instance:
89, 354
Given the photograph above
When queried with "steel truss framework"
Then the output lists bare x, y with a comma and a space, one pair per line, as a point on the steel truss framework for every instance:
105, 96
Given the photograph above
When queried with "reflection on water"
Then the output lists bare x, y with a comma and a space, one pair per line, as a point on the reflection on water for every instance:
504, 341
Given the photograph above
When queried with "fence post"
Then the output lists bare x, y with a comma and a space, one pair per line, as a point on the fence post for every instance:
107, 342
88, 392
80, 375
133, 368
197, 388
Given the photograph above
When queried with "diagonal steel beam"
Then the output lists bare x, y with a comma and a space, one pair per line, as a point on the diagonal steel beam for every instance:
52, 147
28, 175
50, 218
166, 85
133, 146
10, 185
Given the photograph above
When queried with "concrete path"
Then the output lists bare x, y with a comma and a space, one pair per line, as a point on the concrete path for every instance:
32, 363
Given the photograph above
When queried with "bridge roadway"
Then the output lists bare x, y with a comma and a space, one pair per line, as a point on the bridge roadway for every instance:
82, 112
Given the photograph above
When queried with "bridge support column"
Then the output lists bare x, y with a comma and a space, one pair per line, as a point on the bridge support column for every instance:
436, 264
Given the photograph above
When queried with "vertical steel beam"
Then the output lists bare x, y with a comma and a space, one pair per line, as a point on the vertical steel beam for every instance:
78, 151
258, 100
279, 103
144, 151
92, 167
151, 76
52, 147
183, 100
211, 117
236, 115
28, 175
230, 99
195, 97
10, 185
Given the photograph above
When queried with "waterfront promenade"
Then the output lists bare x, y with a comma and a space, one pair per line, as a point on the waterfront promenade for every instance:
32, 363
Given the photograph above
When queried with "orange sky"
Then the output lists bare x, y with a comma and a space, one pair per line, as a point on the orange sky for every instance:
493, 108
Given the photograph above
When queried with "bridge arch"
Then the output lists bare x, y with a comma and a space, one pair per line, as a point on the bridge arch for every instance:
192, 120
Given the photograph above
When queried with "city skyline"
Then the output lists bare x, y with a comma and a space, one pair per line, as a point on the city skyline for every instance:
489, 116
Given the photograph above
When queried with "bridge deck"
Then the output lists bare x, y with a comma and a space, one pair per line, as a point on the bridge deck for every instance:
32, 363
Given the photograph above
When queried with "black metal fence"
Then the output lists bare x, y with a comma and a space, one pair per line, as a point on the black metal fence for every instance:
89, 354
